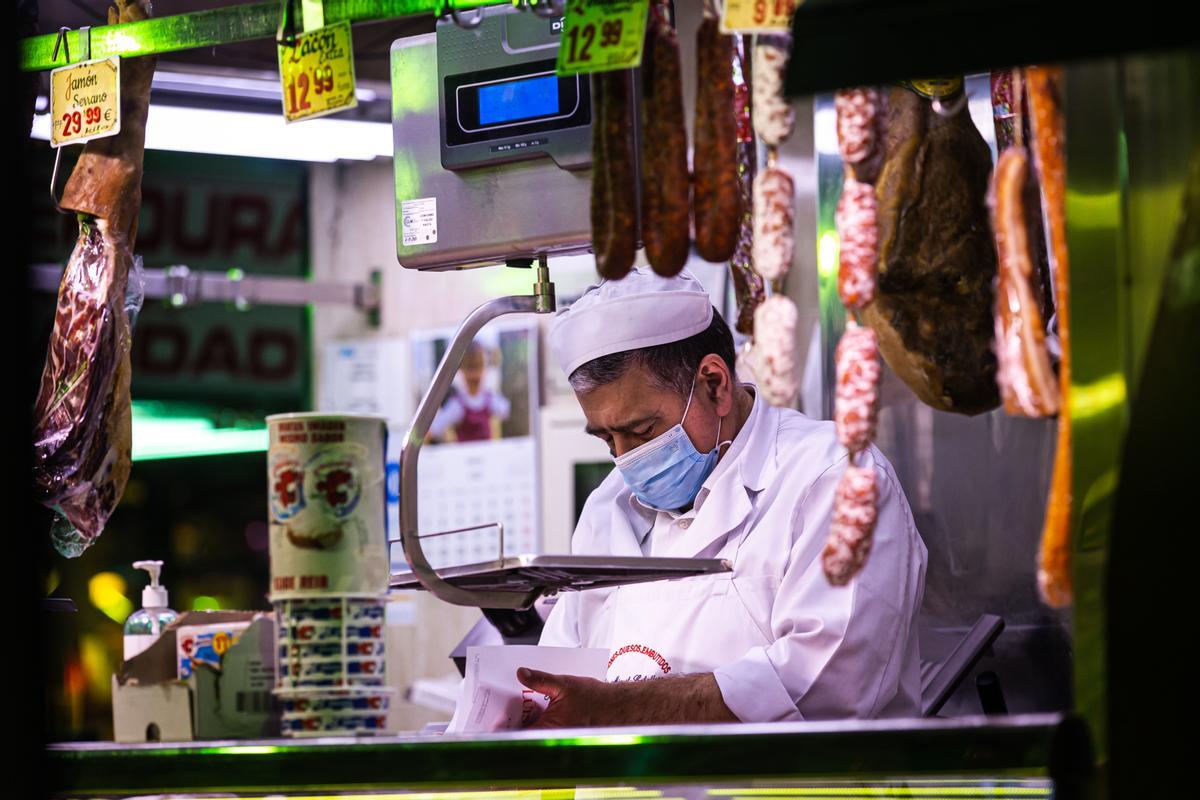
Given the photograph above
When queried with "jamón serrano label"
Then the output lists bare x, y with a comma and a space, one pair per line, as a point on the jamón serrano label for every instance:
317, 73
602, 36
758, 15
85, 101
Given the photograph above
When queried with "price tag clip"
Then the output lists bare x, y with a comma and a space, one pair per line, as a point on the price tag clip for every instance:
758, 16
602, 36
85, 100
316, 67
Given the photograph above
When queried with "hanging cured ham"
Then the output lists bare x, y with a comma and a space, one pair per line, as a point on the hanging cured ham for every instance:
82, 428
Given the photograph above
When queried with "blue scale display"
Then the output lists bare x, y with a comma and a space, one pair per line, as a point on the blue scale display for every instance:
500, 98
518, 100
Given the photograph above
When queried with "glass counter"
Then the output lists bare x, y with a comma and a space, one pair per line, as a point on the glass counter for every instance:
1020, 756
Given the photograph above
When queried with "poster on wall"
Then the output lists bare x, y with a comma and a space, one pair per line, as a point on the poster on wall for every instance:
371, 376
479, 461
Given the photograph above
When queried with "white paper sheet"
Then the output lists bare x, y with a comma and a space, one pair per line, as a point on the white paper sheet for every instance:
492, 699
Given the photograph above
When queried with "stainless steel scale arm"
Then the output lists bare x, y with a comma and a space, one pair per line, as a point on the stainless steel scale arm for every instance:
540, 302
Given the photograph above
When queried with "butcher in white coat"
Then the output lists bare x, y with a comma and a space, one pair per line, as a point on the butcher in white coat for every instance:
706, 469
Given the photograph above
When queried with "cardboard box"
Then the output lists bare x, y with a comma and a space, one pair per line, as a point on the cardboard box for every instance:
150, 702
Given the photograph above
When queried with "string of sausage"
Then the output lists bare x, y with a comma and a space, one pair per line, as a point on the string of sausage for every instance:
614, 190
856, 399
774, 189
665, 179
774, 358
715, 199
1044, 85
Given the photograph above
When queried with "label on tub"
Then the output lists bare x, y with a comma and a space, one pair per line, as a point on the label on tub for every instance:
418, 221
205, 644
326, 503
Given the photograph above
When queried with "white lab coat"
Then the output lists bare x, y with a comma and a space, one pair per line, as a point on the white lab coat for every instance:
813, 651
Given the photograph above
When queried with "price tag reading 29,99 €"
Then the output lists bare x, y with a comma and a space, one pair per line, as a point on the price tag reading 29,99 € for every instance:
742, 16
602, 35
318, 73
85, 101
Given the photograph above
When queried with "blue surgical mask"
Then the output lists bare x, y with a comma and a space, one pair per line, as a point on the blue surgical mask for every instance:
667, 472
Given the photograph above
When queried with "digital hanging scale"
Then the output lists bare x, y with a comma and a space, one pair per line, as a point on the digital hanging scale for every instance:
492, 149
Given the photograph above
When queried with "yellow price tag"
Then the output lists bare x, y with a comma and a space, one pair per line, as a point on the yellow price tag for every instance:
602, 35
317, 73
85, 101
758, 15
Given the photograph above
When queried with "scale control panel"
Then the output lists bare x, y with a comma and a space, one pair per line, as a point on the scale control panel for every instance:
500, 99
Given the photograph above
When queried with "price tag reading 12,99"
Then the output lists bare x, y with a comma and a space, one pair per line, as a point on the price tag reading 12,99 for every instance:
758, 15
602, 35
85, 101
318, 73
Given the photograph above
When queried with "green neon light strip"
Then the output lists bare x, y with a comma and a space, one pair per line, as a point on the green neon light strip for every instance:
885, 791
157, 436
523, 794
237, 23
910, 794
251, 750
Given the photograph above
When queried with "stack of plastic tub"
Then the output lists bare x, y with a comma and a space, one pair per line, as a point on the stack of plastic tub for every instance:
329, 572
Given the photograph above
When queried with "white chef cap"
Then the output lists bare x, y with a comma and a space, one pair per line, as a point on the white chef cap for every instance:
642, 309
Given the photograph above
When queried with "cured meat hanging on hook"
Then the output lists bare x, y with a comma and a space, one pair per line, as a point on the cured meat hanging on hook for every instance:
749, 287
664, 174
82, 426
1049, 144
716, 203
856, 397
1027, 381
614, 182
932, 307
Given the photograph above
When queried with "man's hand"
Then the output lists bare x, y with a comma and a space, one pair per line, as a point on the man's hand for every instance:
574, 702
585, 702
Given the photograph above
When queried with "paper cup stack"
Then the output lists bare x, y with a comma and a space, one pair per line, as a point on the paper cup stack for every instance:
329, 571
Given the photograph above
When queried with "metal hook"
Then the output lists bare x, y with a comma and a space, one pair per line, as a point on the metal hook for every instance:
466, 23
286, 34
54, 182
62, 40
949, 111
85, 38
547, 9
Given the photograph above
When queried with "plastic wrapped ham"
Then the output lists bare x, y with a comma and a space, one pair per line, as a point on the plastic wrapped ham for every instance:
82, 426
749, 288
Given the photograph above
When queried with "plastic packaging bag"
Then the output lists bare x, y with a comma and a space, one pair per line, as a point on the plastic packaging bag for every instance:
82, 430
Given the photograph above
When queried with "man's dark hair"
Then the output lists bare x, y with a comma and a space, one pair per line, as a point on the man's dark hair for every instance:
673, 365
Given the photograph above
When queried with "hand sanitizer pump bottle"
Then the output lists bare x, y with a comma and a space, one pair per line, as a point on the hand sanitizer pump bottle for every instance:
147, 623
